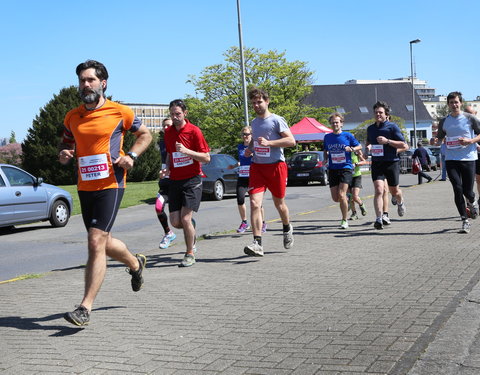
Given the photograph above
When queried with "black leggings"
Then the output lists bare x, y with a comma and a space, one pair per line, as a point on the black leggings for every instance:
462, 177
242, 188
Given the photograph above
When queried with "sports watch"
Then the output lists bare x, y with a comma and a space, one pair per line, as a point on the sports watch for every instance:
133, 155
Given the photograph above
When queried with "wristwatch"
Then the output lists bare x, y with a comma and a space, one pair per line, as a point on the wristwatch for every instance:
133, 155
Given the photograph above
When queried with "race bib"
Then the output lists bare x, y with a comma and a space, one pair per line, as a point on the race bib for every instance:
261, 151
181, 160
244, 171
93, 167
377, 150
338, 157
453, 142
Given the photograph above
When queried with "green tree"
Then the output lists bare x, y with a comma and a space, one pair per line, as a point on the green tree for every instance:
40, 148
218, 106
360, 132
12, 137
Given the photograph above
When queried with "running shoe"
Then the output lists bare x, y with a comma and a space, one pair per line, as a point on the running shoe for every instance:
167, 240
137, 279
187, 261
394, 200
354, 216
288, 238
386, 219
79, 317
465, 227
264, 227
378, 224
254, 250
243, 227
344, 224
363, 209
401, 209
473, 207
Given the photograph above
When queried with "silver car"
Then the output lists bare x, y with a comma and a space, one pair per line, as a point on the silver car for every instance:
27, 199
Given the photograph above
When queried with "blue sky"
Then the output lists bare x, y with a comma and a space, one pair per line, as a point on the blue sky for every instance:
151, 47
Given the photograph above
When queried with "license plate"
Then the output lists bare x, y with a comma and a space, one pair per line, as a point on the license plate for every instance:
302, 174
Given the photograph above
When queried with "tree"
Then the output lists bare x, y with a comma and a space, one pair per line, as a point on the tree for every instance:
11, 154
40, 148
148, 164
12, 137
360, 132
219, 109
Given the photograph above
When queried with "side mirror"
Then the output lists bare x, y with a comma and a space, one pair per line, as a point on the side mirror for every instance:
38, 181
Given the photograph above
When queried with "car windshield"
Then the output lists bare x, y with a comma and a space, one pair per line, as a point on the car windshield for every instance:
305, 157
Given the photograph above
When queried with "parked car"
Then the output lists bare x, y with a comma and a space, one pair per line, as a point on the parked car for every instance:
27, 199
436, 152
406, 160
307, 166
218, 178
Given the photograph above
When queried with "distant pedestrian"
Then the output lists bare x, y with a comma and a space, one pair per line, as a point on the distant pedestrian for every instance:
186, 149
338, 148
270, 134
385, 138
461, 132
93, 134
243, 179
357, 160
424, 160
163, 185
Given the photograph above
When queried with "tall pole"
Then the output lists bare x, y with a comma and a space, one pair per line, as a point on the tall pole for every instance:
242, 64
413, 94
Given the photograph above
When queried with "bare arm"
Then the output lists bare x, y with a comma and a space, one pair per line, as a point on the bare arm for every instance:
287, 140
141, 143
202, 157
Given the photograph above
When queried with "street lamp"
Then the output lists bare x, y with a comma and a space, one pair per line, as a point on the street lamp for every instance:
242, 66
413, 94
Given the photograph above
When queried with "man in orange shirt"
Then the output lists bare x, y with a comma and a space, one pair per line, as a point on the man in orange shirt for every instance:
93, 134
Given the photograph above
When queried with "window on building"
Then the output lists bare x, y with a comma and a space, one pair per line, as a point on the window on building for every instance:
340, 110
363, 109
409, 107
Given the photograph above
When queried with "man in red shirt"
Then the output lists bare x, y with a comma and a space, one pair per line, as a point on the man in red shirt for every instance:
186, 149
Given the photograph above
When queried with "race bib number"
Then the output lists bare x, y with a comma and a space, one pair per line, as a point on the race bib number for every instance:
181, 160
261, 151
93, 167
244, 171
453, 142
339, 157
377, 150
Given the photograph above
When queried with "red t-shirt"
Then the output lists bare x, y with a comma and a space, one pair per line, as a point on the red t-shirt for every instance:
182, 166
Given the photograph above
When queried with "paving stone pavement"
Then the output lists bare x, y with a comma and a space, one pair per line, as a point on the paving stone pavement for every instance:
404, 300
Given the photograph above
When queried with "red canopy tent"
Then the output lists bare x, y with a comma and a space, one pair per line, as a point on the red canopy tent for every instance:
309, 130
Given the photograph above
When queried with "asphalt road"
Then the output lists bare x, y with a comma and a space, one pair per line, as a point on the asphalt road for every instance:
39, 248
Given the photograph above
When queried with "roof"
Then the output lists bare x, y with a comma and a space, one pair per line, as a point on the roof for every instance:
352, 97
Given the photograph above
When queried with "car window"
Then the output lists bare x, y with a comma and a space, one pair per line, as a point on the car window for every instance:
17, 177
2, 183
306, 157
224, 161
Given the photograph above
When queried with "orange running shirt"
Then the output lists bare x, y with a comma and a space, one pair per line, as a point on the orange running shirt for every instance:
98, 138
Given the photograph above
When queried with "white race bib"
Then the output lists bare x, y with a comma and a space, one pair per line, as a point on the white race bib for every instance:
261, 151
453, 142
244, 171
377, 150
181, 160
93, 167
338, 157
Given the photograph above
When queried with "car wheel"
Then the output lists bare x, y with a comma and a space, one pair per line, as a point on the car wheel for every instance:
218, 190
60, 214
323, 179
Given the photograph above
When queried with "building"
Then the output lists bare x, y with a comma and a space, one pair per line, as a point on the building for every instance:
436, 106
356, 102
421, 87
151, 115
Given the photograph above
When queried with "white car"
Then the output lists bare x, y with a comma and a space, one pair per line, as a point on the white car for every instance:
27, 199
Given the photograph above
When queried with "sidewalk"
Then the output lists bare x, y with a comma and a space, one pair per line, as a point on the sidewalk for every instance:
404, 300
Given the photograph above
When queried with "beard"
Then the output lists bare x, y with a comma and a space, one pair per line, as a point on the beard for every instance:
90, 96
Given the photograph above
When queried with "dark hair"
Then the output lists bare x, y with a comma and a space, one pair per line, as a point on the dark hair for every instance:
255, 92
165, 119
455, 94
178, 103
383, 105
100, 70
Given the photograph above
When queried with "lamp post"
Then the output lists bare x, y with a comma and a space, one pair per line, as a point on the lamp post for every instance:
242, 66
413, 94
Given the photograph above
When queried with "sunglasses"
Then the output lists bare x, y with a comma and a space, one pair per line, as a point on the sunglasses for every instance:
246, 134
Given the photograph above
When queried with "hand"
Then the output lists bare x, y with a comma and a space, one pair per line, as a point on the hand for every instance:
163, 173
248, 153
464, 141
65, 156
125, 162
180, 148
263, 141
382, 140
